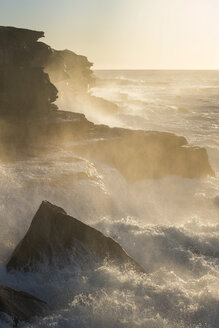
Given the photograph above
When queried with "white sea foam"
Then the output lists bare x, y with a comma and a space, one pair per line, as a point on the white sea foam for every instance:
170, 225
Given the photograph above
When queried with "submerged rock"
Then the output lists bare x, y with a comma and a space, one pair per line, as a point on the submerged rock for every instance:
53, 234
20, 305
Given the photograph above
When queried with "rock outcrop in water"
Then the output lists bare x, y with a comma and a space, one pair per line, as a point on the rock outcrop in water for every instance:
54, 234
20, 305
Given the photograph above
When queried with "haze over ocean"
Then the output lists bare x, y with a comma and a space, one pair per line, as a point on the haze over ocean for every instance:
129, 146
125, 34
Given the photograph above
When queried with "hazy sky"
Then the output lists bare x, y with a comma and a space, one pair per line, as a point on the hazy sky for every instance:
155, 34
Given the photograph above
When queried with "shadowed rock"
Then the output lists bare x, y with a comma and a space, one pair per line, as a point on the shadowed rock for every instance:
53, 233
136, 155
20, 305
29, 120
25, 89
73, 77
65, 65
148, 154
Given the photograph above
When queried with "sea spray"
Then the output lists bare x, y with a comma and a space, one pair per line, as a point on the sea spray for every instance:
169, 225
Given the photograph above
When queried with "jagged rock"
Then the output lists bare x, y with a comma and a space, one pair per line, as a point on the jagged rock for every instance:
16, 45
54, 234
26, 92
65, 65
25, 89
72, 75
136, 154
20, 305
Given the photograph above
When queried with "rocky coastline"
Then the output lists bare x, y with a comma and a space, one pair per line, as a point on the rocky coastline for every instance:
30, 122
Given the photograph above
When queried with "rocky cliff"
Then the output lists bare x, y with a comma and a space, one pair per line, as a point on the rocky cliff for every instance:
73, 77
25, 89
75, 70
30, 120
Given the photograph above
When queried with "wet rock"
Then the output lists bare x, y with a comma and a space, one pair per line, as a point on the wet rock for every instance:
20, 305
53, 234
74, 70
25, 89
73, 77
148, 154
136, 155
17, 44
26, 93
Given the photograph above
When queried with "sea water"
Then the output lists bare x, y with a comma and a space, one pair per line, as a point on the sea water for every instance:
169, 225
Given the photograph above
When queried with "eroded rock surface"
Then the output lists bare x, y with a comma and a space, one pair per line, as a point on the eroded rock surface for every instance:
29, 119
25, 89
73, 77
20, 305
149, 155
54, 234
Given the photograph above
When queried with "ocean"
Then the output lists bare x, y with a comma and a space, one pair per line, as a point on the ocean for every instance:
169, 225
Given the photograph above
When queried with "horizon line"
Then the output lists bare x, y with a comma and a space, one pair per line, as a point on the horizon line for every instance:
155, 69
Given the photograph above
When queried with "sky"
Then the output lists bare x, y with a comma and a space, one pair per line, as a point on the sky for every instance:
125, 34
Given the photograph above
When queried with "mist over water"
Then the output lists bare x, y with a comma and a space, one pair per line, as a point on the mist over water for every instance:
169, 225
184, 102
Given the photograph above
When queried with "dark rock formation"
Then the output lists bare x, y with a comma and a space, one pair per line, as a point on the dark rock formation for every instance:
65, 65
72, 75
142, 155
30, 120
19, 305
53, 234
25, 89
136, 154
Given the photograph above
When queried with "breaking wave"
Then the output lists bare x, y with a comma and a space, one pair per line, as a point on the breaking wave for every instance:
170, 226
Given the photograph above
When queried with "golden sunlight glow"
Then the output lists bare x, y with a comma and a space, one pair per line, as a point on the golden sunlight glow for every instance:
158, 34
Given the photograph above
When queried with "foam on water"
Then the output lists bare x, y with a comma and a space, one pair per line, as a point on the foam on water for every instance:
182, 102
170, 225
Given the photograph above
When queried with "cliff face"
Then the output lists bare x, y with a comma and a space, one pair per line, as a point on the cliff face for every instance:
25, 89
29, 119
27, 68
71, 69
73, 77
